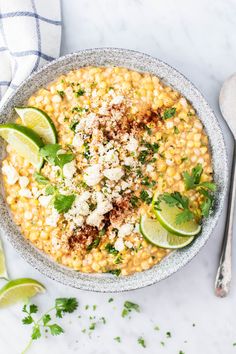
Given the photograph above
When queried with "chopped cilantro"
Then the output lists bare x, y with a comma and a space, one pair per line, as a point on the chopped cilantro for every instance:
148, 130
169, 113
128, 307
92, 326
118, 259
168, 334
114, 272
143, 156
50, 189
93, 244
111, 249
141, 341
86, 151
61, 93
184, 159
111, 299
157, 328
40, 178
145, 197
80, 92
146, 182
94, 307
134, 200
118, 339
86, 307
176, 130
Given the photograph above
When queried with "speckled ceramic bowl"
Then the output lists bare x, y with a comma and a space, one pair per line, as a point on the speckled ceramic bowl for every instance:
176, 260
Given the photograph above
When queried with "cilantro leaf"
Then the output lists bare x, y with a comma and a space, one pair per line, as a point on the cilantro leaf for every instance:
65, 305
55, 329
184, 216
181, 202
80, 92
117, 339
114, 272
62, 203
128, 307
169, 113
50, 189
40, 178
61, 93
33, 308
207, 203
208, 185
141, 341
46, 318
27, 320
63, 159
36, 333
51, 154
111, 249
93, 244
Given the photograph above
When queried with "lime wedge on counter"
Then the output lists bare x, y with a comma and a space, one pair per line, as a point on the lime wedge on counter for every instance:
167, 216
19, 290
40, 122
153, 231
3, 269
25, 142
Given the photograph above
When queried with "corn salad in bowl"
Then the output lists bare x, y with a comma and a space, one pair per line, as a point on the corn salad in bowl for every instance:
112, 178
123, 136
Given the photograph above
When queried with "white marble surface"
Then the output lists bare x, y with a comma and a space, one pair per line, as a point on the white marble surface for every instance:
198, 38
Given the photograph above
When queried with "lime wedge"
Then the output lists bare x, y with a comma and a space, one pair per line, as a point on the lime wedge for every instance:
3, 269
167, 216
40, 122
24, 140
156, 234
19, 290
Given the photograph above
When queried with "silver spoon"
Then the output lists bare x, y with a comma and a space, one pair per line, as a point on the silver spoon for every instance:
227, 101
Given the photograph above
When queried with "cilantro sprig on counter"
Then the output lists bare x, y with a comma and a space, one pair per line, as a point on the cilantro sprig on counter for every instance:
44, 323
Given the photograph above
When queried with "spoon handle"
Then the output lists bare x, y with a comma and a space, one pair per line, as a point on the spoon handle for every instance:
223, 277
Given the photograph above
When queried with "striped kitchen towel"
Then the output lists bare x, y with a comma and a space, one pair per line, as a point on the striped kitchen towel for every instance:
30, 36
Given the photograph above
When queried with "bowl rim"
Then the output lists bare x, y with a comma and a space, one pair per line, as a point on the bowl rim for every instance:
109, 283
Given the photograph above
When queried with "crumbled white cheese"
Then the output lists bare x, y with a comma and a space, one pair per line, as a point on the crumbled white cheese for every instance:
113, 174
83, 208
129, 244
111, 157
23, 181
77, 141
78, 220
92, 175
169, 124
53, 218
117, 100
119, 245
129, 161
132, 144
104, 207
94, 219
149, 168
124, 185
84, 196
125, 230
25, 192
44, 200
11, 174
69, 169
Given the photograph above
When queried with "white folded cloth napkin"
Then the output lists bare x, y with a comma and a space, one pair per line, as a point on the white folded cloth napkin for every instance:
30, 36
